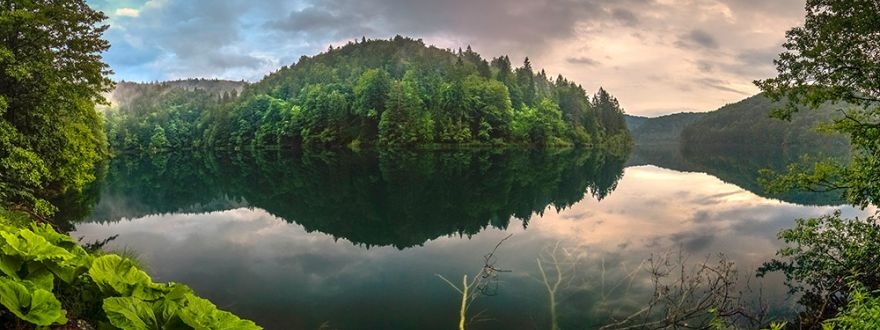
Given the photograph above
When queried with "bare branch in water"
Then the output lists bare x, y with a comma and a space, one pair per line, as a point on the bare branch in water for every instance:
484, 283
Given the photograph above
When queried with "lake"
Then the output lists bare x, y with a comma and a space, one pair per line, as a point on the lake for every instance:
360, 240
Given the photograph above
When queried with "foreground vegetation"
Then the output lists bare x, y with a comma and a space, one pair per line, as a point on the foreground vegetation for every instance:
833, 262
51, 78
47, 278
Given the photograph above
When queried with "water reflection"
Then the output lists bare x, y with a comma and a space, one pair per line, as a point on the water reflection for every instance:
739, 164
354, 240
400, 199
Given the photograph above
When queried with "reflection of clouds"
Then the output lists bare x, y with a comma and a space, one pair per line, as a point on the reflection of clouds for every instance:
257, 265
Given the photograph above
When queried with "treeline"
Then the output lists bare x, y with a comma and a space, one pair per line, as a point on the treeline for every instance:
396, 92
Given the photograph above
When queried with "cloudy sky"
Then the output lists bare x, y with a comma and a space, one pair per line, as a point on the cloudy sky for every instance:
656, 56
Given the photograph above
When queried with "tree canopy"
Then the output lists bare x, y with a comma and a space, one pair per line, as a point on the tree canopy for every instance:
51, 76
396, 92
835, 58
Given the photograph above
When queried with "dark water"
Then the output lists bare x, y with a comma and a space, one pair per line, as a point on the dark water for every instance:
357, 240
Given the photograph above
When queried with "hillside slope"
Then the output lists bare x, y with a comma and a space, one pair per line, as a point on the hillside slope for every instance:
664, 129
749, 122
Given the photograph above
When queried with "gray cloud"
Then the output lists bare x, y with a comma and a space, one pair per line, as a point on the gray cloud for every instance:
698, 38
582, 60
625, 16
720, 85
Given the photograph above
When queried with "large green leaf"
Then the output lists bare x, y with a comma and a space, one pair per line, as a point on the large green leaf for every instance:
130, 313
47, 232
32, 247
20, 246
40, 277
31, 303
10, 265
202, 314
118, 276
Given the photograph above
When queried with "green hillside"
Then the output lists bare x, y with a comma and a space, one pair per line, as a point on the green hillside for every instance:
397, 92
749, 122
664, 129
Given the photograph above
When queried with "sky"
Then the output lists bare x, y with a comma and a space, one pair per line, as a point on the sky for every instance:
656, 56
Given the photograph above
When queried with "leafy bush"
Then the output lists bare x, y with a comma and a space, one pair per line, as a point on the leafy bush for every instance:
863, 312
37, 261
824, 258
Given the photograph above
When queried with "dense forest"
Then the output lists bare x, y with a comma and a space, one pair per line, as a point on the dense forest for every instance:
396, 92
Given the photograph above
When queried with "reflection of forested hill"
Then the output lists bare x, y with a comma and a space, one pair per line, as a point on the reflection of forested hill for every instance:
735, 164
736, 141
400, 199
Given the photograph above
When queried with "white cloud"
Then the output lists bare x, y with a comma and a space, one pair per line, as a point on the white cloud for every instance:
128, 12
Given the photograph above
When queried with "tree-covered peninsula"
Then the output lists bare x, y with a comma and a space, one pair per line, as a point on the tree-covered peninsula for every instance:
398, 92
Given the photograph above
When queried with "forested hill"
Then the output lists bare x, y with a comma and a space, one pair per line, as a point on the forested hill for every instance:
397, 92
664, 129
747, 122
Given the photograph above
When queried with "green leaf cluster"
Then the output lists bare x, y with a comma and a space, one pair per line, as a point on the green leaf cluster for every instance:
36, 261
824, 258
135, 302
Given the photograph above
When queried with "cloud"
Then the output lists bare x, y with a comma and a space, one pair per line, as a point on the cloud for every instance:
582, 60
625, 16
128, 12
721, 85
655, 55
698, 38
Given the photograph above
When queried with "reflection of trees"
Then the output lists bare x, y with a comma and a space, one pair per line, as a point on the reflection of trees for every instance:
665, 291
387, 198
738, 164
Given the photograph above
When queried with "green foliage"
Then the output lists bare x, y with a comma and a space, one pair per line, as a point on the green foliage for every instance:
862, 312
824, 257
30, 302
749, 122
832, 61
52, 75
405, 120
37, 261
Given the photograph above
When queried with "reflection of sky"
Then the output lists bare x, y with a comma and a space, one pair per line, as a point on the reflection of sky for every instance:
257, 265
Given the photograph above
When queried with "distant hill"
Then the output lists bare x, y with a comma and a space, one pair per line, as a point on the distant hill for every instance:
126, 93
634, 122
664, 129
749, 122
746, 122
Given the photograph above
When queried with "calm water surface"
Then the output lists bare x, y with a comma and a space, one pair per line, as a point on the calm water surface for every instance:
357, 240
